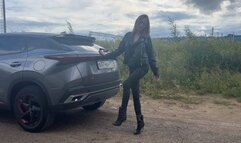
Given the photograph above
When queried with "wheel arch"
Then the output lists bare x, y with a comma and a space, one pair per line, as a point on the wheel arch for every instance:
18, 85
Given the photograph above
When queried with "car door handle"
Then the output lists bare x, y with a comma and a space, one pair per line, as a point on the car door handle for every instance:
15, 64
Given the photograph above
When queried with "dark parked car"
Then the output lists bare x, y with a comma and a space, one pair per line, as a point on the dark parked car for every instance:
44, 73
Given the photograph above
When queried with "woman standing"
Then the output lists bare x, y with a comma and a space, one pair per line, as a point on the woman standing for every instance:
138, 56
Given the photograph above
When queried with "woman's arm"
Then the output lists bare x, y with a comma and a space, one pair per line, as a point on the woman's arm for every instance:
151, 58
121, 48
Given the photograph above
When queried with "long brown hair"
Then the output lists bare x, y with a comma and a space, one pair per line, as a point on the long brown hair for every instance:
146, 31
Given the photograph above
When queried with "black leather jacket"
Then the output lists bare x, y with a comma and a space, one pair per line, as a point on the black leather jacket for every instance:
137, 54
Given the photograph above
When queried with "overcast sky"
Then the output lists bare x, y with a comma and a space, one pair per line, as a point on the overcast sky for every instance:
118, 17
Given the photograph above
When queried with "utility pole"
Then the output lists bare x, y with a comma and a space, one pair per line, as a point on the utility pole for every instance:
4, 17
212, 31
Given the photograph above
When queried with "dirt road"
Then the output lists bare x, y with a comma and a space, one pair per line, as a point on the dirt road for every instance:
166, 122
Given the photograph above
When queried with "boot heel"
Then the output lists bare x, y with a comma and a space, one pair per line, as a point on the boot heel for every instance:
140, 124
121, 117
118, 123
138, 131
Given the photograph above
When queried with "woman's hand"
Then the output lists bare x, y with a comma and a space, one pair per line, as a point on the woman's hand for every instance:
101, 51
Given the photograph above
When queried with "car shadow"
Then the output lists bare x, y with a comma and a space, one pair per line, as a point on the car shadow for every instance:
6, 116
81, 119
69, 120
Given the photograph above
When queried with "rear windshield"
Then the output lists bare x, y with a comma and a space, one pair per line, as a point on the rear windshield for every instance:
43, 43
81, 44
74, 40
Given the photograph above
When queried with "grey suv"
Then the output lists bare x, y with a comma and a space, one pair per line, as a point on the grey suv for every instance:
44, 73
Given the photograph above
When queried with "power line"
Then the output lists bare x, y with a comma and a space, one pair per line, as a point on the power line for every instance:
2, 17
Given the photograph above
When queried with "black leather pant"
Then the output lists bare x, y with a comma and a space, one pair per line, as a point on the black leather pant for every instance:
133, 82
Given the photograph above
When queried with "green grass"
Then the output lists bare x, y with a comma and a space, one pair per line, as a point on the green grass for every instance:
203, 65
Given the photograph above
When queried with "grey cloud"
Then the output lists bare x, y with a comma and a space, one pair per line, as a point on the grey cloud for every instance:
160, 31
27, 25
234, 4
16, 6
231, 28
233, 13
72, 5
131, 16
206, 6
164, 15
210, 6
32, 23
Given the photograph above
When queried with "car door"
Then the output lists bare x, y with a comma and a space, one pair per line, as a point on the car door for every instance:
12, 60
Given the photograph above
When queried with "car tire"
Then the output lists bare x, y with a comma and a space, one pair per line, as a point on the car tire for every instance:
94, 106
31, 109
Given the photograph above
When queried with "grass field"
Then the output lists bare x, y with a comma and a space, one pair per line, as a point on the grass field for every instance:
202, 65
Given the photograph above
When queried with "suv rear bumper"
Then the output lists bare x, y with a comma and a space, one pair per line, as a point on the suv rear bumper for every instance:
86, 95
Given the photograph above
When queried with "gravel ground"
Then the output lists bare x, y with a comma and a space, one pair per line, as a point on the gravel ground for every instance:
166, 122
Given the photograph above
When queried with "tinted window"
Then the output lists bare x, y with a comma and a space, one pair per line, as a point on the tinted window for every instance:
10, 45
43, 43
77, 43
72, 40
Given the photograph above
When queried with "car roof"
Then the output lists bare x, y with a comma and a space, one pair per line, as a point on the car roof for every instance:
46, 35
30, 34
66, 38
